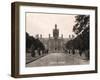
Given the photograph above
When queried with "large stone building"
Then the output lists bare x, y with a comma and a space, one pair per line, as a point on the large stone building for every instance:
54, 43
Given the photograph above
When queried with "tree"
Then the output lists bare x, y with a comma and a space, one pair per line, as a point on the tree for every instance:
82, 23
33, 44
81, 29
30, 40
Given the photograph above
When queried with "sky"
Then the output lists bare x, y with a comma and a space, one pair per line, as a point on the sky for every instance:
44, 23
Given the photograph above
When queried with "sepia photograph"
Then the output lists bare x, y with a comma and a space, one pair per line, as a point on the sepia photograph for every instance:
53, 39
57, 39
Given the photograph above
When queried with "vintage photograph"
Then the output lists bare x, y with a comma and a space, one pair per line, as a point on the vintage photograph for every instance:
53, 39
57, 39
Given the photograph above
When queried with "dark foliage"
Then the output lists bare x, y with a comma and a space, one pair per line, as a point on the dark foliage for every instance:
81, 29
33, 44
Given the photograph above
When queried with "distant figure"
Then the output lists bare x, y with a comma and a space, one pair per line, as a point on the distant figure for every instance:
55, 32
33, 51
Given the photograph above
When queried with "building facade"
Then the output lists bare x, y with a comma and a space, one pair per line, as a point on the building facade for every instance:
55, 43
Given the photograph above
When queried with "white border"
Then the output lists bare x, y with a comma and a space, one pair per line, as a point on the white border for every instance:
36, 70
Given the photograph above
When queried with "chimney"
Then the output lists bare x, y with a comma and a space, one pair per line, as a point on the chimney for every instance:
40, 36
62, 36
49, 36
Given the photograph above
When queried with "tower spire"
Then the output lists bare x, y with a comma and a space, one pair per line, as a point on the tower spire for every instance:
55, 26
